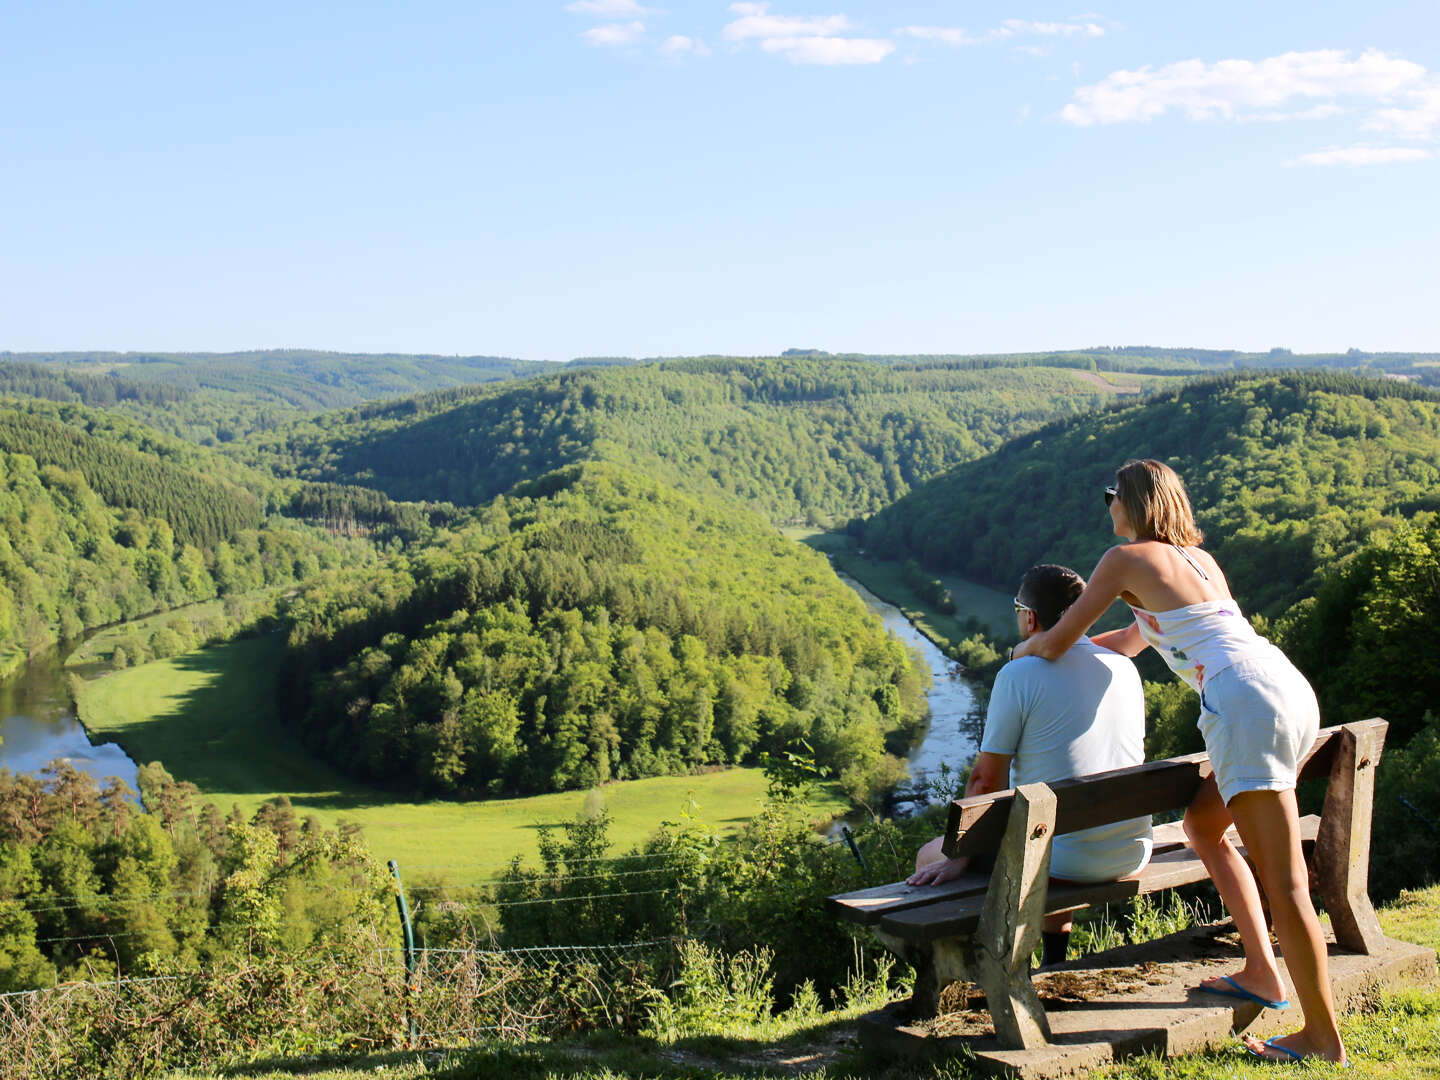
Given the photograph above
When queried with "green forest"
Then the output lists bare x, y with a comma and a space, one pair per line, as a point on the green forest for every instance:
522, 579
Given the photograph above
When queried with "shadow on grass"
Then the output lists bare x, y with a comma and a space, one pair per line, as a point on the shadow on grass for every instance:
828, 1048
223, 735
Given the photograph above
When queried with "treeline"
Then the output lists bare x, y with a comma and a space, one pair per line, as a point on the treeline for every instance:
199, 510
1288, 474
797, 439
347, 509
595, 626
218, 397
70, 562
92, 886
71, 384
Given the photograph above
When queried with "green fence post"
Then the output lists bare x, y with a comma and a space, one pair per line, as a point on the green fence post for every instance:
412, 985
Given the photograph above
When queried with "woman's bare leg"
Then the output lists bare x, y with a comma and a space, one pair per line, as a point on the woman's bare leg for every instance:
1269, 824
1206, 820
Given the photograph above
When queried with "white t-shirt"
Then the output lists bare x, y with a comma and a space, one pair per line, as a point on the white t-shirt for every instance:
1080, 714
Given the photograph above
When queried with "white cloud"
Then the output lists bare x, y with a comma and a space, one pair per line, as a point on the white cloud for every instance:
829, 50
945, 35
1083, 26
1365, 155
756, 22
1230, 89
1011, 27
803, 39
615, 34
1420, 121
608, 9
680, 45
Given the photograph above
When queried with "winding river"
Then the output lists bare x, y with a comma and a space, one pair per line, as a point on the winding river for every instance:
38, 722
949, 740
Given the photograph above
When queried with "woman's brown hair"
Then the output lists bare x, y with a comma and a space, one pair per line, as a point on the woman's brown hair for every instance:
1156, 502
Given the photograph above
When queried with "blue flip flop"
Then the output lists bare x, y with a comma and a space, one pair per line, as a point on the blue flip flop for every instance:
1245, 995
1291, 1058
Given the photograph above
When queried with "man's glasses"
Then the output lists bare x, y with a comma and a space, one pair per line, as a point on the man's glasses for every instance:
1110, 494
1019, 607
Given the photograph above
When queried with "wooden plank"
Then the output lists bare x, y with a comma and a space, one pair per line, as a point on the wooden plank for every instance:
1166, 870
866, 906
954, 917
1009, 926
977, 823
1342, 851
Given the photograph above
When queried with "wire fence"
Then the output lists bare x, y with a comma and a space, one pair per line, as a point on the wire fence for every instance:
361, 999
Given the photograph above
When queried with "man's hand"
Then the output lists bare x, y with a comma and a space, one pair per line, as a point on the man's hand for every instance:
940, 870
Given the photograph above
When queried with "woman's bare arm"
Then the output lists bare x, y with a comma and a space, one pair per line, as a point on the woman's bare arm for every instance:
1126, 641
1107, 582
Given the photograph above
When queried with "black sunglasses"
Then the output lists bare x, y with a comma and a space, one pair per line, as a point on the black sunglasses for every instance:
1110, 494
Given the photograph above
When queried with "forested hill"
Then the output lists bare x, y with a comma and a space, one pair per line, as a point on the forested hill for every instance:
103, 520
595, 625
798, 439
216, 397
1288, 474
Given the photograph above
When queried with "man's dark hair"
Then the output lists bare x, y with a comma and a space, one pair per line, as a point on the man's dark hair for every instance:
1049, 590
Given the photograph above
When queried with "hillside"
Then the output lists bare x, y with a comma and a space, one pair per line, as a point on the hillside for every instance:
595, 626
216, 397
104, 520
1289, 473
798, 439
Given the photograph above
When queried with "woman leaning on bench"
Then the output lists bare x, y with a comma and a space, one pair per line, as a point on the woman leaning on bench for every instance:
1258, 717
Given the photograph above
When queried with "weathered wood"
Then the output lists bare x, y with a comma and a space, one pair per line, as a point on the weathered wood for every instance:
1009, 926
866, 906
1342, 849
977, 823
1167, 870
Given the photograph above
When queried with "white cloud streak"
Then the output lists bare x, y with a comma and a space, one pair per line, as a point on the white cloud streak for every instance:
829, 50
1083, 27
755, 21
1365, 155
677, 45
803, 39
1232, 88
612, 35
608, 9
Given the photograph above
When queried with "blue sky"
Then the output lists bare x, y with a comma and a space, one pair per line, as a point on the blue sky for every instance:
617, 177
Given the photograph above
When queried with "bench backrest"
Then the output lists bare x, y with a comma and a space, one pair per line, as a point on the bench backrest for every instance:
977, 824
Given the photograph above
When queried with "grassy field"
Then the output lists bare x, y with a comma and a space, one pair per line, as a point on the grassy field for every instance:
207, 716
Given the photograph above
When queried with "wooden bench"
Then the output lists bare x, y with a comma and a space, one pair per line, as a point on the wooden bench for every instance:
983, 928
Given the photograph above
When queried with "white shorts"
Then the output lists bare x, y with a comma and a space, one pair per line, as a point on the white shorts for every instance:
1258, 717
1105, 853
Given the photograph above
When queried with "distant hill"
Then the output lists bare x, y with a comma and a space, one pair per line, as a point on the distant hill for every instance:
1289, 473
216, 397
798, 439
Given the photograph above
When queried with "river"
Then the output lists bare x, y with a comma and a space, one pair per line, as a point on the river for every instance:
38, 725
949, 739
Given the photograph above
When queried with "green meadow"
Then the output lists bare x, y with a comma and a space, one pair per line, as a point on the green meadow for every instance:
208, 717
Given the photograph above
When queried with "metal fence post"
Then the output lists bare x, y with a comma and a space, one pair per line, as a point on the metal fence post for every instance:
412, 984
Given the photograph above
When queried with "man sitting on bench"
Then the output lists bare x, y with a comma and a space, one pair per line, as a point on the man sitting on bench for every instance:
1083, 713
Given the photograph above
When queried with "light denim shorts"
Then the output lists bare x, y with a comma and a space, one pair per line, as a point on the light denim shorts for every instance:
1259, 718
